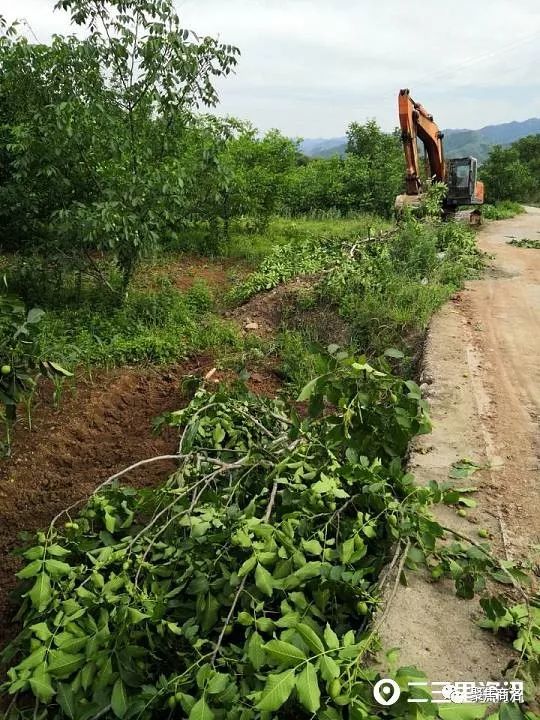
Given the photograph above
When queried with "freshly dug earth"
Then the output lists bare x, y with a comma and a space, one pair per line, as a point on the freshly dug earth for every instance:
290, 305
482, 377
101, 429
264, 312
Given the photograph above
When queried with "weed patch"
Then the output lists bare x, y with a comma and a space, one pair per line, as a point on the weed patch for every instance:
502, 210
525, 243
155, 327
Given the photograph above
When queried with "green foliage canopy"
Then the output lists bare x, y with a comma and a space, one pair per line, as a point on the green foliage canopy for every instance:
92, 128
513, 173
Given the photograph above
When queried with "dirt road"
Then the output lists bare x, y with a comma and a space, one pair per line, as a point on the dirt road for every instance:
482, 375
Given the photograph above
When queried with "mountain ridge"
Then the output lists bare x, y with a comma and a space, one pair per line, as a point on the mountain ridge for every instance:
457, 143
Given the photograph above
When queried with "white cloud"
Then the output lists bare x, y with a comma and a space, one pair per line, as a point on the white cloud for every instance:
311, 66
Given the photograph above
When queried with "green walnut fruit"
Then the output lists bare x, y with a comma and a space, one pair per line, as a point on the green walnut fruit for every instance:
5, 370
171, 702
362, 608
335, 688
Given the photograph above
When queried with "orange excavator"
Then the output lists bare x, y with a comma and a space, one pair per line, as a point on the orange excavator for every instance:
459, 175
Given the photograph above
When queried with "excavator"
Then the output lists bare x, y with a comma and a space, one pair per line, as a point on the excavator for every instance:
459, 175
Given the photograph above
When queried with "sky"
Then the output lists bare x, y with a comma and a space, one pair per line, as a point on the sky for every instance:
309, 67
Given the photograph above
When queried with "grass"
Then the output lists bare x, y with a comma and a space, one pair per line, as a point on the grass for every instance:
383, 296
502, 210
160, 326
256, 246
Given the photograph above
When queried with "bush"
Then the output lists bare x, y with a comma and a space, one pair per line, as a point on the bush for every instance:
513, 172
502, 210
389, 291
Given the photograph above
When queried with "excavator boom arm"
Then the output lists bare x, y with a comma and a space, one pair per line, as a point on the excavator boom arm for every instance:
417, 123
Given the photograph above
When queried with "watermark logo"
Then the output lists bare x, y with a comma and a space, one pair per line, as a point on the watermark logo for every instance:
387, 692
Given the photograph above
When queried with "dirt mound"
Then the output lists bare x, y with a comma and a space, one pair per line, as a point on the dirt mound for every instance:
102, 428
264, 312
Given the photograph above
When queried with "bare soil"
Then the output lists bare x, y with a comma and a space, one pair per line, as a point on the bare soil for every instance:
101, 429
218, 274
482, 375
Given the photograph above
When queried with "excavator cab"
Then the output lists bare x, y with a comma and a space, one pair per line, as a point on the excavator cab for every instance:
462, 183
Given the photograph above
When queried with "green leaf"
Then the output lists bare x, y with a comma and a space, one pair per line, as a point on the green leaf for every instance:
329, 668
510, 711
64, 697
57, 551
310, 637
255, 651
119, 699
217, 683
330, 638
394, 353
313, 547
218, 435
40, 594
57, 568
110, 522
307, 687
276, 691
36, 657
463, 468
41, 631
136, 616
263, 580
62, 664
34, 315
347, 550
201, 711
247, 566
59, 369
40, 682
285, 653
307, 390
31, 570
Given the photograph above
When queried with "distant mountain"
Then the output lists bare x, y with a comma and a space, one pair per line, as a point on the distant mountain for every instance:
457, 142
324, 147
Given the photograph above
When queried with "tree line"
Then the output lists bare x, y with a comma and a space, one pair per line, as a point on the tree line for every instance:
513, 172
106, 144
